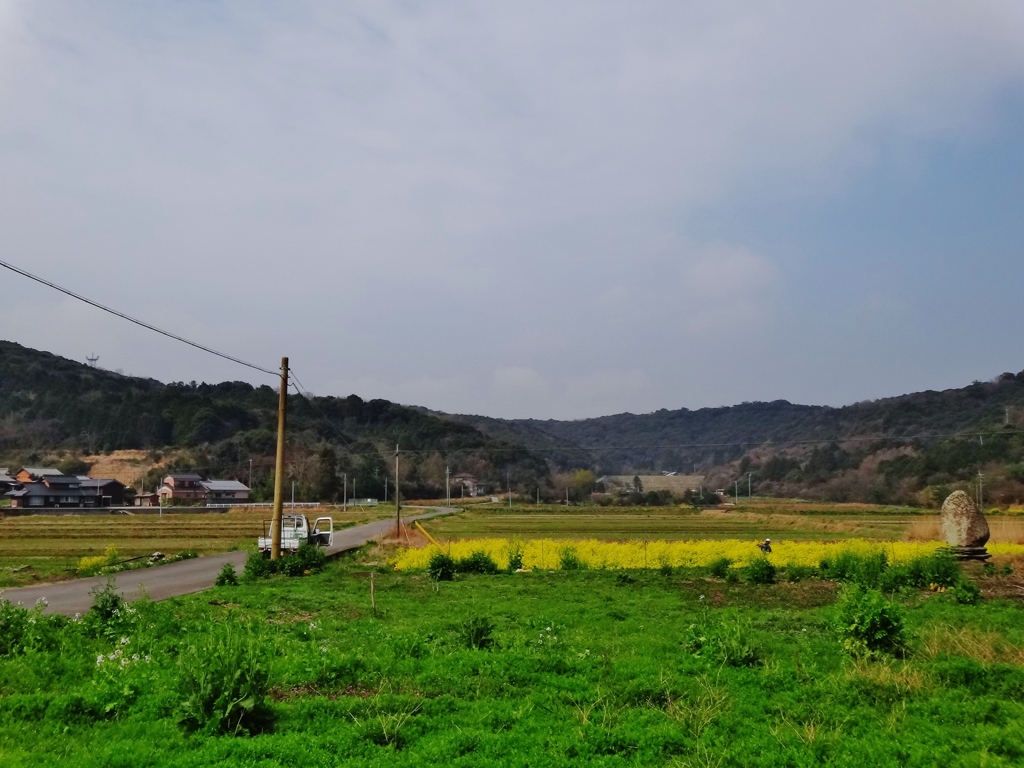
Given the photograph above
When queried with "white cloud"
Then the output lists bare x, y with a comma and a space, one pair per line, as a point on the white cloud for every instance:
513, 179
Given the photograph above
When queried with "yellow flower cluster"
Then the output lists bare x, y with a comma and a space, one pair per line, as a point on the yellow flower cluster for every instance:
546, 554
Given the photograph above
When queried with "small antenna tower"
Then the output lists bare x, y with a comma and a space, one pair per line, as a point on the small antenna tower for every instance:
93, 359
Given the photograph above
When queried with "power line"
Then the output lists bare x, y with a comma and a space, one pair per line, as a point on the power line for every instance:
302, 392
130, 319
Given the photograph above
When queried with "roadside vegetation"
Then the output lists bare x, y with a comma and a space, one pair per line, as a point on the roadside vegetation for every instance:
478, 666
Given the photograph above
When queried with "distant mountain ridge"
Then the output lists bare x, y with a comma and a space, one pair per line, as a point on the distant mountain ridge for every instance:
894, 448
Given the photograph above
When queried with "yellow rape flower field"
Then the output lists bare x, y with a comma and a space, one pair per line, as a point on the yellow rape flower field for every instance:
546, 554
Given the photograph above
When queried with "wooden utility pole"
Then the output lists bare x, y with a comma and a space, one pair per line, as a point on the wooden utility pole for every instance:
398, 498
282, 419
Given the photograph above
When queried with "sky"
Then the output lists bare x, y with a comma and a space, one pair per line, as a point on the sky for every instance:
529, 209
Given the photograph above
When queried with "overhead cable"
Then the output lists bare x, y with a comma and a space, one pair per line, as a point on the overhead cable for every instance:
131, 319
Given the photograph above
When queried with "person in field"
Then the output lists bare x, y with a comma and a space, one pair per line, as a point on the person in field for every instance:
766, 547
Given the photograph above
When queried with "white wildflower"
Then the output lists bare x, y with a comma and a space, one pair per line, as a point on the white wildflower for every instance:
124, 641
99, 659
135, 657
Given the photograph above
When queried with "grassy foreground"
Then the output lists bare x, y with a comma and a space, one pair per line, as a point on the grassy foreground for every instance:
533, 669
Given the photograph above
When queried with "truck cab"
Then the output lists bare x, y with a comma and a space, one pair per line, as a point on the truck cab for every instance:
296, 531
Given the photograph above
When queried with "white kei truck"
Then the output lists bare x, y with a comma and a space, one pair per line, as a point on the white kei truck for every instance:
296, 531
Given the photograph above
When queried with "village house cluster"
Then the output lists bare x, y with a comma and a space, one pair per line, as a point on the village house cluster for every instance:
49, 488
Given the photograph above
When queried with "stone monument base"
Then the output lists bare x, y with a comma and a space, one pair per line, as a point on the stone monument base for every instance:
971, 553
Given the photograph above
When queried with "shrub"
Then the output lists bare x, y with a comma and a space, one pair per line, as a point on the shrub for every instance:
760, 571
720, 568
942, 568
107, 603
24, 629
478, 562
515, 557
312, 558
187, 554
441, 567
568, 560
477, 632
227, 576
967, 592
258, 566
223, 682
868, 623
666, 569
989, 569
729, 644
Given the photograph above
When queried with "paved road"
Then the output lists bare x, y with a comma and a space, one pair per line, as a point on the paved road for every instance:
181, 578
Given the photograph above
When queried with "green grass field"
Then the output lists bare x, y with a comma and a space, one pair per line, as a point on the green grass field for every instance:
539, 669
754, 521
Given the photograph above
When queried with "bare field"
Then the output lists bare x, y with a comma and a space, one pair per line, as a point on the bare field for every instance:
53, 545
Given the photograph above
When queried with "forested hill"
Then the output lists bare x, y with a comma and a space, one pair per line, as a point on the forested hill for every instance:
895, 449
50, 405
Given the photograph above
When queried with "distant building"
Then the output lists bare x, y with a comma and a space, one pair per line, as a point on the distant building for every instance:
187, 488
32, 474
147, 500
225, 491
53, 491
104, 492
60, 491
7, 482
672, 482
469, 482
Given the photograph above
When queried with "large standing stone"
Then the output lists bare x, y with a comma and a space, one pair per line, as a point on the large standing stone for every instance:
964, 527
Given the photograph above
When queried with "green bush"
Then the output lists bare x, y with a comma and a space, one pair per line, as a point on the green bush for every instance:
477, 632
223, 681
26, 629
515, 557
719, 568
967, 592
311, 557
107, 603
868, 623
760, 571
227, 576
441, 567
730, 643
258, 566
478, 562
568, 560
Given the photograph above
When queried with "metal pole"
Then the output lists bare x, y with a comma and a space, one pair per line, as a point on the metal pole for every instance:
293, 497
398, 499
508, 484
344, 495
250, 475
282, 418
447, 486
749, 475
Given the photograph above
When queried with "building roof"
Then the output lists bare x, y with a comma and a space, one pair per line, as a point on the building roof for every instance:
98, 482
40, 489
61, 480
5, 478
40, 471
224, 485
189, 476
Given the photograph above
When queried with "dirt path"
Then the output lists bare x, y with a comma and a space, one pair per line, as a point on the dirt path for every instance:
181, 578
